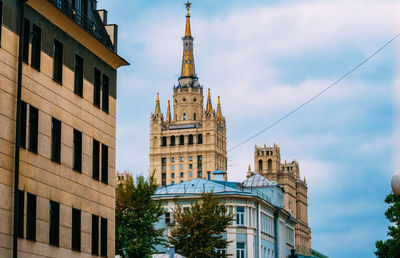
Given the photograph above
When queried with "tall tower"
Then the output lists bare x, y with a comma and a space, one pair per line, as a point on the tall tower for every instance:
267, 162
191, 143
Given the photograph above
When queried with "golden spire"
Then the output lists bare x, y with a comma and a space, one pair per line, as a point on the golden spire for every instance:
209, 106
187, 31
187, 59
158, 109
168, 120
219, 112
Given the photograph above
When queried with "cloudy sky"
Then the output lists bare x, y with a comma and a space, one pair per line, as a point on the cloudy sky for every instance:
264, 58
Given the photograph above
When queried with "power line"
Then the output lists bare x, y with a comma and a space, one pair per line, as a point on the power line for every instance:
315, 96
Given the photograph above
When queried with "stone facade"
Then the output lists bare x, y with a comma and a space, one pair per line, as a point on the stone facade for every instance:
191, 143
267, 162
42, 176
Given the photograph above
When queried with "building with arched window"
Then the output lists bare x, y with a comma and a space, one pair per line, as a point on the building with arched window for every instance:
194, 132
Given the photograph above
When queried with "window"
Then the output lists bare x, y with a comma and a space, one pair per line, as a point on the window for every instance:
57, 61
33, 128
270, 165
181, 166
267, 224
181, 159
184, 116
106, 82
164, 141
172, 167
240, 216
95, 234
172, 140
168, 218
221, 252
22, 132
172, 182
96, 160
260, 165
199, 174
54, 223
181, 140
173, 159
163, 179
25, 41
172, 175
208, 175
55, 140
103, 240
190, 139
20, 218
240, 250
36, 47
181, 181
96, 87
181, 174
77, 164
194, 115
290, 236
190, 158
78, 82
164, 164
199, 161
1, 18
31, 217
104, 163
200, 139
190, 174
190, 166
76, 229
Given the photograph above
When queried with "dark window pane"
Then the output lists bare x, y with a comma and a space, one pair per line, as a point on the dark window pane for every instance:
33, 128
190, 139
172, 140
95, 234
36, 47
106, 83
164, 141
78, 83
200, 139
25, 41
96, 159
181, 140
1, 18
104, 163
55, 140
22, 132
54, 223
31, 217
76, 229
97, 86
77, 164
21, 204
103, 240
57, 61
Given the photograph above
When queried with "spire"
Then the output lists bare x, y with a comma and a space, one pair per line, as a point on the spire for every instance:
187, 31
219, 112
168, 120
157, 111
209, 106
187, 59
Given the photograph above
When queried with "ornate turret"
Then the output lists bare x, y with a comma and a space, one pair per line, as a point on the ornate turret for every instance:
157, 111
168, 119
219, 112
209, 109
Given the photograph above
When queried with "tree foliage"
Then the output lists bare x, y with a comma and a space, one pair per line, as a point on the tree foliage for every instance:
136, 214
199, 228
391, 247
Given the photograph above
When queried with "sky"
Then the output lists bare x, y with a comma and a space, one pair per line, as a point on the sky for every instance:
264, 58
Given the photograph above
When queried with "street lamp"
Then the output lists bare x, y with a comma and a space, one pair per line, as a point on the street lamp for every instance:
396, 183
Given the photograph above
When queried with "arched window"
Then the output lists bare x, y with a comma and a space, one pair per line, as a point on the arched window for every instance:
269, 165
181, 140
164, 141
194, 116
260, 167
184, 116
200, 139
172, 140
190, 139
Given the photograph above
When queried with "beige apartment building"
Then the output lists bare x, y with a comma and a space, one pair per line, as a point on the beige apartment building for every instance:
267, 162
58, 68
191, 142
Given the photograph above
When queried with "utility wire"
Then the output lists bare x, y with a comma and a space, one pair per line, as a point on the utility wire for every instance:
315, 96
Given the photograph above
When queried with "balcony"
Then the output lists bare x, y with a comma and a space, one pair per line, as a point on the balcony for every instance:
92, 23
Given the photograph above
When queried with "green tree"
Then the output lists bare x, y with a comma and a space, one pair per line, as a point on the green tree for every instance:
136, 214
199, 229
390, 248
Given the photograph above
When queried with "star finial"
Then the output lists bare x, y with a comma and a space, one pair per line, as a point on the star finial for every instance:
188, 4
